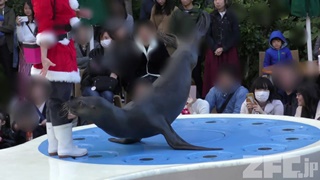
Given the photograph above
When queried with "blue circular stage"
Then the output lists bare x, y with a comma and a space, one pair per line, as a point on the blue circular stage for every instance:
239, 137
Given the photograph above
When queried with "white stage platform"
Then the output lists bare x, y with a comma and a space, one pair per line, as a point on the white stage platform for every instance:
26, 162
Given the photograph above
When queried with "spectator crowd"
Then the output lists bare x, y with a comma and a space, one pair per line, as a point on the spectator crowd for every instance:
142, 49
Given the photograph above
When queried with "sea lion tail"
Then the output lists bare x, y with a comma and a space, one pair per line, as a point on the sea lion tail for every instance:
180, 144
176, 142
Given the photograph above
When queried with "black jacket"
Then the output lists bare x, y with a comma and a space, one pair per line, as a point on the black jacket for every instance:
145, 10
8, 139
223, 32
96, 67
289, 102
138, 65
154, 61
128, 61
20, 136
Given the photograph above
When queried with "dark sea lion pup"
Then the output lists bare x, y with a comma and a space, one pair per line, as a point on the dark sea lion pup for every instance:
153, 114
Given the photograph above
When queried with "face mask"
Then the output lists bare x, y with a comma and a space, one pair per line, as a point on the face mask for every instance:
262, 96
105, 43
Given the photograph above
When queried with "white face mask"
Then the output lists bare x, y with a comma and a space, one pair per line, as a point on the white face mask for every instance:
262, 96
105, 43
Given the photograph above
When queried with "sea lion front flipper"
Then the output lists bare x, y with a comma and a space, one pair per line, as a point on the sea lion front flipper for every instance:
124, 140
176, 142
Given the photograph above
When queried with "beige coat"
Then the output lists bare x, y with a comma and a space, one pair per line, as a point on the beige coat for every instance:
299, 111
161, 21
273, 108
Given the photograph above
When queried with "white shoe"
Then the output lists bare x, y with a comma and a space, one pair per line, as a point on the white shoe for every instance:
52, 141
66, 148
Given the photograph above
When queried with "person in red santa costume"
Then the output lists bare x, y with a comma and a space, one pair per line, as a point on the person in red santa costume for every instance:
58, 55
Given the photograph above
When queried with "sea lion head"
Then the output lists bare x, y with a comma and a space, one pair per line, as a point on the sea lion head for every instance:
86, 106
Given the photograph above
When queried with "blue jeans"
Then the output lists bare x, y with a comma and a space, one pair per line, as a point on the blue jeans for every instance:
108, 95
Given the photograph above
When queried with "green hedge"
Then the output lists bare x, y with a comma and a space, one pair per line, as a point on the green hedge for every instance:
17, 5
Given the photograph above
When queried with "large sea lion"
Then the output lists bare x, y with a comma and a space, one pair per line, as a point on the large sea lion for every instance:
151, 115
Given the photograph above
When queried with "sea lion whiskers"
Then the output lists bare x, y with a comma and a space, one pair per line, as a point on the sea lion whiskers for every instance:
65, 109
79, 105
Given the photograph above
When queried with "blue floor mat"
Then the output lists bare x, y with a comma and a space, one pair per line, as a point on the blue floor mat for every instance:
239, 137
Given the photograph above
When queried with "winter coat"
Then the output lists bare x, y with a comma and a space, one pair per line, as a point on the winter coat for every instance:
224, 31
145, 11
161, 21
7, 138
272, 108
151, 61
317, 115
289, 102
273, 56
83, 59
21, 136
8, 27
54, 21
183, 20
96, 67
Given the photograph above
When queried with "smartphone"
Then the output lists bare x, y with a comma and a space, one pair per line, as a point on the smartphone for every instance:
24, 18
250, 97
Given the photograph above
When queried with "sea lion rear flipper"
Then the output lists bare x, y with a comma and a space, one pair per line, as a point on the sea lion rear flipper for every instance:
176, 142
124, 140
